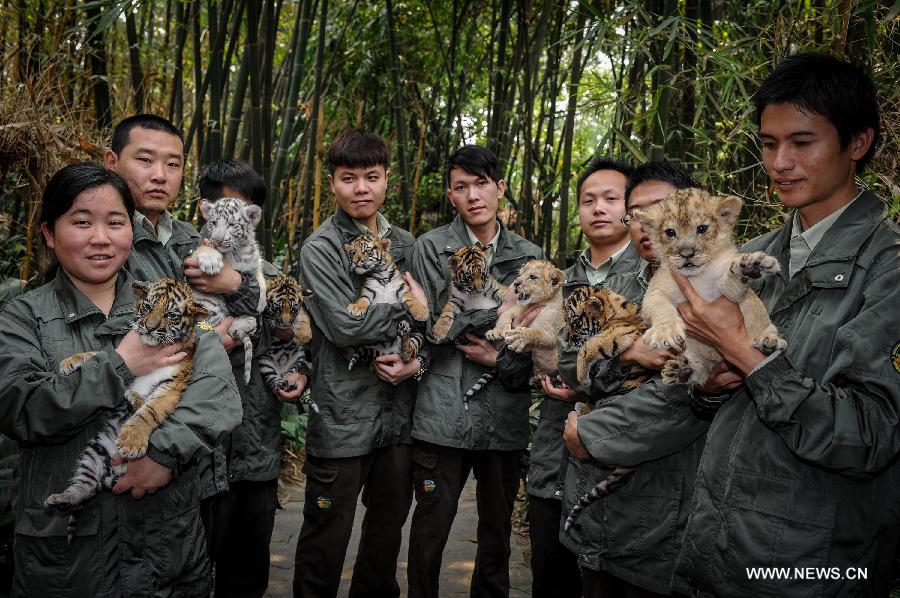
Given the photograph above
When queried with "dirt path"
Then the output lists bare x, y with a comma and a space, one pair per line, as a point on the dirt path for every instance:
459, 555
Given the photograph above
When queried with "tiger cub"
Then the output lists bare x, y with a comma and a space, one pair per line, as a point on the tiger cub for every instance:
229, 234
471, 287
370, 257
166, 313
285, 317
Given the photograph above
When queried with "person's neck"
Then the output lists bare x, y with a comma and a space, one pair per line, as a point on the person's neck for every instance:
484, 232
101, 294
600, 252
370, 223
153, 218
815, 213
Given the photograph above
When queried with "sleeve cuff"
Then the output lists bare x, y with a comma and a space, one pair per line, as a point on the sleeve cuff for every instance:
763, 363
122, 370
161, 457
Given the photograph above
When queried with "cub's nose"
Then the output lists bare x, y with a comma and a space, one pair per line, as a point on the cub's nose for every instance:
687, 251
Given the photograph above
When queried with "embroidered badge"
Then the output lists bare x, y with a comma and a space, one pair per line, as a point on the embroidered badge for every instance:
323, 502
895, 357
429, 486
204, 325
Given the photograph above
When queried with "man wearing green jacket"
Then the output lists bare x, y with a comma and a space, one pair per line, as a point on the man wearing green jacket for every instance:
601, 208
626, 543
360, 439
488, 437
798, 490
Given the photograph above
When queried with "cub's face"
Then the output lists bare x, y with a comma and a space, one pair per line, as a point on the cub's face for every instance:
166, 311
367, 253
689, 228
469, 269
284, 299
538, 281
230, 222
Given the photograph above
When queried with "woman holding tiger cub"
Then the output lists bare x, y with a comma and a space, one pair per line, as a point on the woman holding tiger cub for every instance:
121, 545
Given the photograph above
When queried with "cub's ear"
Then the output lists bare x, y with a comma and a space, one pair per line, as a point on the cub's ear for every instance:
140, 289
454, 262
253, 213
305, 294
729, 207
198, 311
205, 207
384, 242
557, 277
348, 247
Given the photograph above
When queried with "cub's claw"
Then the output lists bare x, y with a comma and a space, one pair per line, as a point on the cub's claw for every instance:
757, 265
676, 370
768, 344
665, 337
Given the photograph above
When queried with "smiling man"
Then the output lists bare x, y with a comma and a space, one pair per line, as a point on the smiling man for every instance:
359, 441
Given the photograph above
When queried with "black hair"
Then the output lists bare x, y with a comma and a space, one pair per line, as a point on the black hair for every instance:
475, 160
66, 185
357, 148
236, 174
602, 163
821, 84
665, 171
122, 132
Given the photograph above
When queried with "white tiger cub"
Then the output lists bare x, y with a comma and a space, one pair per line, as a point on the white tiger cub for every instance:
229, 234
370, 257
691, 233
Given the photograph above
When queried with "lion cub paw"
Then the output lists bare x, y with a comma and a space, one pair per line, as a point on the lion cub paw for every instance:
676, 370
131, 442
70, 364
358, 308
665, 337
517, 339
494, 334
757, 265
768, 344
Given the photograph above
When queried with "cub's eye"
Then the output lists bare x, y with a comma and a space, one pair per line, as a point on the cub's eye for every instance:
670, 232
702, 229
532, 277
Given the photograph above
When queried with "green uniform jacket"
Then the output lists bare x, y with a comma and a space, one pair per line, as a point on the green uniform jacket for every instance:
548, 450
800, 467
150, 261
123, 546
497, 419
358, 412
254, 447
634, 533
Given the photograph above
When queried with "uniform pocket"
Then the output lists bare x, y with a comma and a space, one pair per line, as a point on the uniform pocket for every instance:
320, 470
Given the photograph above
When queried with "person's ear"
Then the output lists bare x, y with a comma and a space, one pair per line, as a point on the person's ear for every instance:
110, 159
331, 182
49, 239
501, 188
450, 199
861, 143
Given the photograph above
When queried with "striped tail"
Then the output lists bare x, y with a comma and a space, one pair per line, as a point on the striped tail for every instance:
306, 400
604, 488
354, 359
479, 384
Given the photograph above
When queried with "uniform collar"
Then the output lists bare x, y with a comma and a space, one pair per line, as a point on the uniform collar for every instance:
505, 248
473, 240
814, 234
143, 228
75, 306
381, 223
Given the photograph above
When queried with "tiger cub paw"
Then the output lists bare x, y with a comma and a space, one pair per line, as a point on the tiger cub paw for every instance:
358, 308
131, 442
62, 501
665, 336
209, 260
768, 344
677, 370
440, 329
417, 309
134, 399
70, 364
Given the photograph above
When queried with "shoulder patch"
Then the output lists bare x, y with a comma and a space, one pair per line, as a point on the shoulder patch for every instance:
895, 357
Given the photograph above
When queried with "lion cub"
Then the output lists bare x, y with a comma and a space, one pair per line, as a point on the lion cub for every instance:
691, 234
539, 283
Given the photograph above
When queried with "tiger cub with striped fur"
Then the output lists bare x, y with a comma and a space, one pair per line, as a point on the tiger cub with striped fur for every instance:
471, 287
167, 312
370, 257
291, 331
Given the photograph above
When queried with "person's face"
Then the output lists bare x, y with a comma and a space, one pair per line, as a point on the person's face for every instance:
802, 154
601, 206
645, 194
93, 239
359, 191
475, 197
153, 163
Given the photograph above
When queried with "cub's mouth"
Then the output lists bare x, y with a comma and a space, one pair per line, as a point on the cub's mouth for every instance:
523, 296
688, 267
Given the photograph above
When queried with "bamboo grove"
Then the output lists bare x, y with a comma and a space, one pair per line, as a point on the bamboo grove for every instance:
545, 84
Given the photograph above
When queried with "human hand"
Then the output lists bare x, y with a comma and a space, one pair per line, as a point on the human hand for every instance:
143, 476
722, 378
573, 442
142, 359
415, 288
639, 352
524, 319
562, 392
228, 280
391, 368
479, 351
228, 341
290, 395
509, 300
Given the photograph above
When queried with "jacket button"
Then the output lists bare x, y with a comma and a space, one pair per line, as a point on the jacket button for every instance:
839, 277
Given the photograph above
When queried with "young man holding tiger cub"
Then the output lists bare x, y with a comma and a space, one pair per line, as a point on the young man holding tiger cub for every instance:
800, 467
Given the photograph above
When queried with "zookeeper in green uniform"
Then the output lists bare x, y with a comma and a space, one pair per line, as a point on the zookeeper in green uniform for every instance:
800, 468
490, 436
601, 207
359, 440
148, 543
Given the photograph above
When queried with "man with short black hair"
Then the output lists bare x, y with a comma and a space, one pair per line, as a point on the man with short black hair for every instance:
359, 441
489, 437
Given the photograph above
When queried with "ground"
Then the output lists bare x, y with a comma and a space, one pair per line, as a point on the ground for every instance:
459, 555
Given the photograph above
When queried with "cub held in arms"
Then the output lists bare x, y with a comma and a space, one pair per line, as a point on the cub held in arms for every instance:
167, 312
229, 234
289, 323
691, 234
539, 283
472, 286
370, 257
